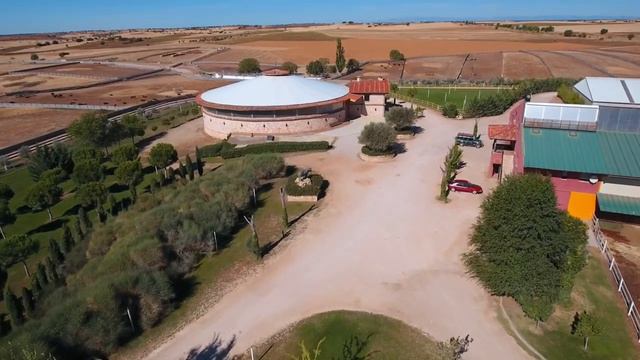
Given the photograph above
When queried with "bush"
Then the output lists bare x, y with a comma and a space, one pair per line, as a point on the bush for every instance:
450, 110
603, 31
568, 95
314, 189
275, 147
289, 66
316, 67
568, 33
215, 149
377, 137
396, 55
249, 66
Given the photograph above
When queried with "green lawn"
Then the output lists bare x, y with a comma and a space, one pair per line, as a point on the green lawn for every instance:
381, 337
217, 269
594, 292
442, 95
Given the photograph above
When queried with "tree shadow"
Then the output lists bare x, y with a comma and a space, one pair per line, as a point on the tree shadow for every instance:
323, 190
354, 348
72, 210
146, 141
290, 170
399, 148
417, 129
117, 187
49, 226
215, 350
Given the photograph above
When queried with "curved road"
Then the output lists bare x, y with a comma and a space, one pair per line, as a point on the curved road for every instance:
380, 242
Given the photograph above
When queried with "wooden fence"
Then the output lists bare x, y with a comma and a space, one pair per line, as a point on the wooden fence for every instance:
632, 310
416, 101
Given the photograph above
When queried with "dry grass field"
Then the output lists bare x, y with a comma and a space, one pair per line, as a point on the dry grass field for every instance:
22, 124
435, 51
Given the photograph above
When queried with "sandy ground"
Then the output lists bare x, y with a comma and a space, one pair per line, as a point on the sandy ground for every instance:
380, 242
23, 124
184, 138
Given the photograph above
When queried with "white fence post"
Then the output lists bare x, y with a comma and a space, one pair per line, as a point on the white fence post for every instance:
620, 285
633, 306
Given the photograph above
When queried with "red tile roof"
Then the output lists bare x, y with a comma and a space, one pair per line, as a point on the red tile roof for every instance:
369, 86
355, 98
503, 132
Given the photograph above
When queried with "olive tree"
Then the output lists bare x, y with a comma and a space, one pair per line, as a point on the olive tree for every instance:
378, 137
400, 118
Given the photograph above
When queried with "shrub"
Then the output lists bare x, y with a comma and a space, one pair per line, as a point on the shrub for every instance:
313, 189
450, 110
124, 153
316, 67
249, 66
568, 33
34, 57
215, 149
603, 31
378, 138
275, 147
289, 66
568, 95
396, 55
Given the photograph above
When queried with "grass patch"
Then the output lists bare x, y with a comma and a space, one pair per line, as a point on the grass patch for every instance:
594, 292
217, 269
382, 337
443, 95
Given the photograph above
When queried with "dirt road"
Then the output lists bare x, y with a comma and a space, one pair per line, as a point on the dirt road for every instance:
380, 242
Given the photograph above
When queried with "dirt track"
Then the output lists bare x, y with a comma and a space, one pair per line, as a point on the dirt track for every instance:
380, 242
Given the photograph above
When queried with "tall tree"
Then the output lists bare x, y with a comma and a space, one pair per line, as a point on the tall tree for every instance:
396, 55
83, 221
199, 163
6, 216
450, 168
13, 307
162, 155
43, 195
87, 171
130, 173
92, 194
353, 65
28, 303
52, 271
340, 60
189, 167
133, 126
41, 274
585, 325
124, 153
249, 66
67, 239
55, 252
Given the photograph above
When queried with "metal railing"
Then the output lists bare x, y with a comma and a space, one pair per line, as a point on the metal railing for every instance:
632, 310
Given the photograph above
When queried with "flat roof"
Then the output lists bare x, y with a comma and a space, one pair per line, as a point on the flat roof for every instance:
274, 92
605, 153
610, 90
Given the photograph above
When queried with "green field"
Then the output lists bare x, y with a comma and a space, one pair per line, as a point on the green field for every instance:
380, 337
595, 293
442, 95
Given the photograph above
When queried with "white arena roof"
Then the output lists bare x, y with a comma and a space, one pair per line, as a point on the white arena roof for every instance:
601, 90
272, 91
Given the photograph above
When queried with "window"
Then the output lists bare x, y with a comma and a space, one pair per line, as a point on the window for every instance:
366, 97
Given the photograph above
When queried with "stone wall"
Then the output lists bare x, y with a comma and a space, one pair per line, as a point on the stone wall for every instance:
220, 127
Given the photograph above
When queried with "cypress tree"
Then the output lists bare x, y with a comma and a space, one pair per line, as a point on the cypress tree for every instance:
199, 163
102, 214
13, 307
77, 231
36, 285
67, 239
112, 203
41, 274
55, 252
52, 273
181, 170
170, 175
189, 166
28, 302
83, 219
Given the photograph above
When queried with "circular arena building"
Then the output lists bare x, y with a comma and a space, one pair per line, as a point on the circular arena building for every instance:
274, 103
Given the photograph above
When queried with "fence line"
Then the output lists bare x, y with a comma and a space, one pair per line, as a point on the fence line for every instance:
632, 310
60, 106
417, 101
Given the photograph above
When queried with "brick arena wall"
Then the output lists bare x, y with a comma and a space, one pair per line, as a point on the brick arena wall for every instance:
221, 126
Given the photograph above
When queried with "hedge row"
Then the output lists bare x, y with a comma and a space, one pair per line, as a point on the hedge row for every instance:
215, 149
314, 189
275, 147
371, 152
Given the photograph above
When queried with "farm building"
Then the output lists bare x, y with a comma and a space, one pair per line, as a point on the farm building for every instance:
369, 96
274, 103
591, 152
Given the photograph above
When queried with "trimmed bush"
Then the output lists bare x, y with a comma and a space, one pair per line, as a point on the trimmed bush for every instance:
214, 150
275, 147
450, 110
313, 189
377, 137
568, 95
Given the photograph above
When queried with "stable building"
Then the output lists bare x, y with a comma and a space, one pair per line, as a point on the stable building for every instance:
591, 152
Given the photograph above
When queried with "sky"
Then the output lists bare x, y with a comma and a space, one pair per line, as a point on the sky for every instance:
32, 16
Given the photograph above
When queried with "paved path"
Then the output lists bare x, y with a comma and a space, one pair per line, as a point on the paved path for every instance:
380, 242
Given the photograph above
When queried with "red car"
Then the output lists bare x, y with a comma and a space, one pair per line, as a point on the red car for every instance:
464, 186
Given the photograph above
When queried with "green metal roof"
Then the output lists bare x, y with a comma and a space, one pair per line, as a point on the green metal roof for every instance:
619, 204
605, 153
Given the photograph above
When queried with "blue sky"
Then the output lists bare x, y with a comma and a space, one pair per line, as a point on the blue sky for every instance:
26, 16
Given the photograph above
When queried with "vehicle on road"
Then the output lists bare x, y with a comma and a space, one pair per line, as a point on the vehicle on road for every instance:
464, 186
464, 139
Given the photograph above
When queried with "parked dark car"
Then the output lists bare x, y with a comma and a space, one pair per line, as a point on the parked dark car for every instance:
464, 186
464, 139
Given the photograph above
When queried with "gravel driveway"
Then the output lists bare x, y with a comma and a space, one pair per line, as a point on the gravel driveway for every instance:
380, 242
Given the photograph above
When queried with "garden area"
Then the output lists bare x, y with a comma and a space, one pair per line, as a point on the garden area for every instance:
356, 335
94, 231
